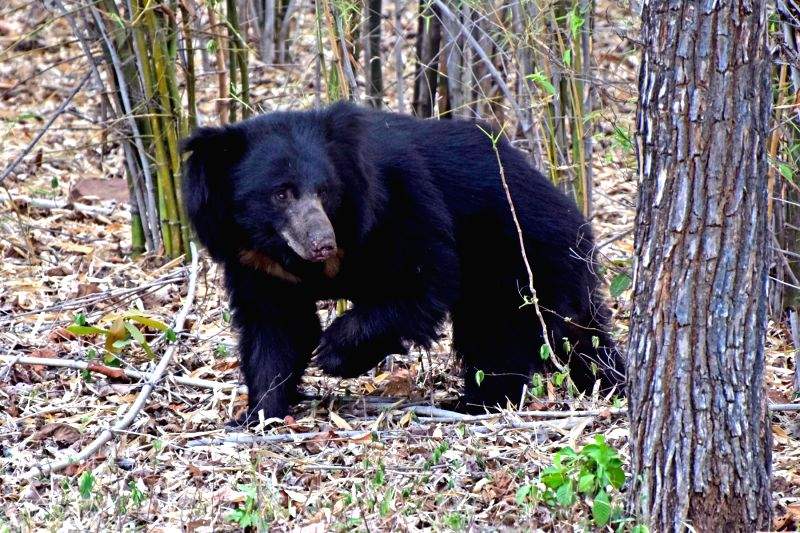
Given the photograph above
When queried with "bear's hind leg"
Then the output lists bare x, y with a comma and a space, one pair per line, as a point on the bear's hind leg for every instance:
498, 346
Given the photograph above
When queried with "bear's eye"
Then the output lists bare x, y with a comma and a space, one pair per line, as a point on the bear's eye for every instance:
281, 194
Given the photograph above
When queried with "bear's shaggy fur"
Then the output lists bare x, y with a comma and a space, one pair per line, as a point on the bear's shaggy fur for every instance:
409, 220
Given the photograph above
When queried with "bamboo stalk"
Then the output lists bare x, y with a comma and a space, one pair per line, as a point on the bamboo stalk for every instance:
233, 72
164, 134
373, 10
191, 91
173, 121
149, 76
239, 50
268, 31
335, 77
283, 34
129, 117
398, 56
141, 228
223, 96
345, 55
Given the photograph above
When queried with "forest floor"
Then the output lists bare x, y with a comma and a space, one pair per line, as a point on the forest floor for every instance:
353, 455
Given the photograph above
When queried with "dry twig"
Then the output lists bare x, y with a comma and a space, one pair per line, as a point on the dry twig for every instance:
57, 113
107, 434
118, 373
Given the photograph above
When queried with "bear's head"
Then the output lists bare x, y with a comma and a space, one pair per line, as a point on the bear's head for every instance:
286, 184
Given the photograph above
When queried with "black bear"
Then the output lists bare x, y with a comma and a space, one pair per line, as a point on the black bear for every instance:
409, 220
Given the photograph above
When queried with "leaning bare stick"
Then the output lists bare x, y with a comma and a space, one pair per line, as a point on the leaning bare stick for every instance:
495, 138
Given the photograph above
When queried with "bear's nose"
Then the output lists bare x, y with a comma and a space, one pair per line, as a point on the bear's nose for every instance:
322, 247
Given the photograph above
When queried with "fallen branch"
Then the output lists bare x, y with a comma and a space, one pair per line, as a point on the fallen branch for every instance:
107, 434
440, 415
445, 416
104, 296
426, 413
614, 239
430, 411
783, 407
118, 373
84, 209
569, 420
333, 436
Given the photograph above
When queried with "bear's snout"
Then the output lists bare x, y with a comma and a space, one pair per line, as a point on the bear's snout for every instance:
309, 231
322, 243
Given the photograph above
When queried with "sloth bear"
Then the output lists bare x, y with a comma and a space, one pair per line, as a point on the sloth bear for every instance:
409, 220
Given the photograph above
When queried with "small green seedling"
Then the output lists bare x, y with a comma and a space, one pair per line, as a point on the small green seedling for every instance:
122, 332
247, 515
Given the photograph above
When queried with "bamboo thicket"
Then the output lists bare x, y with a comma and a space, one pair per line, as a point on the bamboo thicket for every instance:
524, 66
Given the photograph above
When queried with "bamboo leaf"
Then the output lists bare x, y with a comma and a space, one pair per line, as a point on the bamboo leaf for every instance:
138, 336
540, 79
86, 330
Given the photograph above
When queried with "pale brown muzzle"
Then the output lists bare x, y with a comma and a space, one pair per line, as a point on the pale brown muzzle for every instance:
308, 229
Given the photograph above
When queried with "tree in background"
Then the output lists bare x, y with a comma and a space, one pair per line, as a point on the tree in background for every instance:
700, 435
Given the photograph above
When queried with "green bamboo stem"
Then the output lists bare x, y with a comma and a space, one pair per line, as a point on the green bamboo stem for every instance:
170, 152
233, 59
191, 91
173, 120
244, 75
124, 48
161, 158
223, 88
137, 232
171, 51
238, 53
573, 101
186, 125
336, 75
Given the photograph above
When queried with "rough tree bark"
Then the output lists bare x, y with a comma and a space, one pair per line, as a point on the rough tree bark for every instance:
699, 429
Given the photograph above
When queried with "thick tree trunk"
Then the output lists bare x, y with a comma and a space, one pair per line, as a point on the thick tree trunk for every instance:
699, 429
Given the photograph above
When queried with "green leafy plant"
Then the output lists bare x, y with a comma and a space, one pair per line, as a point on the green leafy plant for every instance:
537, 387
138, 496
595, 472
436, 456
619, 284
541, 79
456, 521
544, 352
86, 484
385, 508
221, 350
380, 475
124, 331
247, 515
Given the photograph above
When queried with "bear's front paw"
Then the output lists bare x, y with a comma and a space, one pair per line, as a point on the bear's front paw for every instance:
333, 361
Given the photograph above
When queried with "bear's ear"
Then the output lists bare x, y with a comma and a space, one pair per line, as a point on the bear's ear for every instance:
344, 123
206, 187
